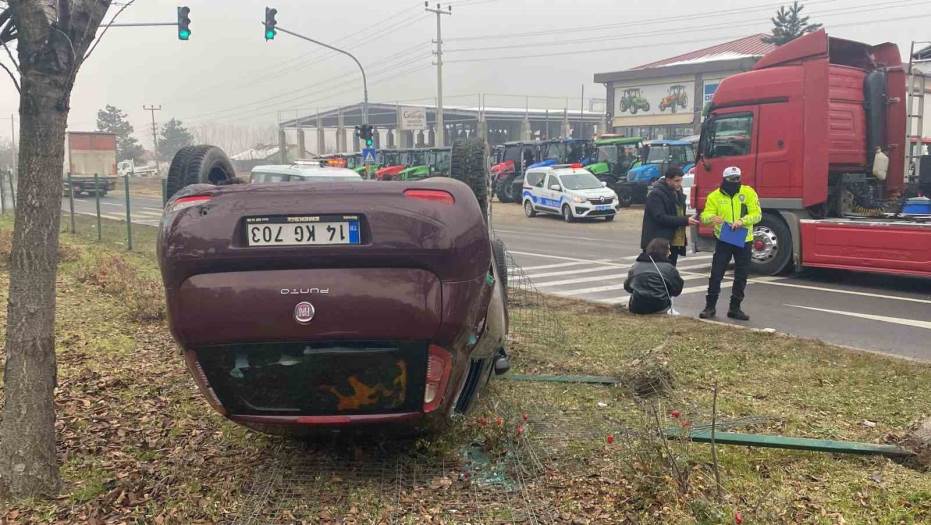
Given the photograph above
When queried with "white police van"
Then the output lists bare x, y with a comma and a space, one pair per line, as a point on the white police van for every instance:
302, 171
568, 190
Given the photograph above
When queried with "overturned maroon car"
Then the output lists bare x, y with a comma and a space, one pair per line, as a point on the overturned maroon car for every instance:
332, 305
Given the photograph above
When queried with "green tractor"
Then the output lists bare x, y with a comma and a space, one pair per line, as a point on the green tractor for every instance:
433, 162
615, 155
633, 101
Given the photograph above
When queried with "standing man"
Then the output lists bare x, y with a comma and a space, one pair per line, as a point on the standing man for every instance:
664, 214
738, 206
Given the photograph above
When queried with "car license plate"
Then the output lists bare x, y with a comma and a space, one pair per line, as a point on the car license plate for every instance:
605, 207
309, 230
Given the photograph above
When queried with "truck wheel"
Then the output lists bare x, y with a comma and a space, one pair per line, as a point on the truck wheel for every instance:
468, 166
201, 164
772, 246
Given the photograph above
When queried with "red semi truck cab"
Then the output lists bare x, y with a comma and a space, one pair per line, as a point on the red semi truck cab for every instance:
803, 126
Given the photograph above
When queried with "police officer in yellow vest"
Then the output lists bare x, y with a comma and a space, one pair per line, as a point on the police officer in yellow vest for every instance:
738, 206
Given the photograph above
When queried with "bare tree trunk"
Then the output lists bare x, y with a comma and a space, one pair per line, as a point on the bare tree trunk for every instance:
53, 37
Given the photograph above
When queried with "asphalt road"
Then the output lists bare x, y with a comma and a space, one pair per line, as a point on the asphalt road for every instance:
589, 261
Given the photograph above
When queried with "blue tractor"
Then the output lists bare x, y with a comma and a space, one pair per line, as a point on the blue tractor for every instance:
656, 156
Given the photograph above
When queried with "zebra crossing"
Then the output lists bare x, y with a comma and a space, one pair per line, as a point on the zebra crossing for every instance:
602, 280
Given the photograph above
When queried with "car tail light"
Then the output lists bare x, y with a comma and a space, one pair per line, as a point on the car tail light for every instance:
431, 195
186, 202
439, 365
203, 385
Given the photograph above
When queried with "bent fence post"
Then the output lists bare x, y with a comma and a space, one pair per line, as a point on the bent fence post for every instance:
97, 198
71, 202
129, 217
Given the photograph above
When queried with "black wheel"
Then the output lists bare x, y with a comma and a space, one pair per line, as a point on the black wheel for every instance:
468, 166
528, 209
504, 192
625, 197
609, 218
202, 164
501, 262
772, 246
567, 213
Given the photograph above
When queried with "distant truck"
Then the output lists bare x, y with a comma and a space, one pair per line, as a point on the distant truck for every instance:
89, 153
129, 167
818, 127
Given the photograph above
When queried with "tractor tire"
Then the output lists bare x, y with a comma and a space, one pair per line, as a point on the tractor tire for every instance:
468, 166
202, 164
772, 246
503, 191
625, 197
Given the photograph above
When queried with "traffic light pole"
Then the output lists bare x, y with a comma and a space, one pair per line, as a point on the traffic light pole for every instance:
365, 88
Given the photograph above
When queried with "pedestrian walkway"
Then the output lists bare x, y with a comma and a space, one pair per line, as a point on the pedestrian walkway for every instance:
602, 280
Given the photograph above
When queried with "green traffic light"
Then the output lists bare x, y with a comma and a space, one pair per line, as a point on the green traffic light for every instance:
269, 35
184, 35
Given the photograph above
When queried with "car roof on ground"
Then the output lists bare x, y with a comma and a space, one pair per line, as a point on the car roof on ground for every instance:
306, 171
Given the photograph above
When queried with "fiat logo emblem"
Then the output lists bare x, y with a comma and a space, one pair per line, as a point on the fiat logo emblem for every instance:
304, 312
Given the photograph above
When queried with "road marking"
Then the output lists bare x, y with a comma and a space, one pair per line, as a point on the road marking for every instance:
555, 265
571, 272
772, 280
568, 237
561, 258
883, 318
606, 288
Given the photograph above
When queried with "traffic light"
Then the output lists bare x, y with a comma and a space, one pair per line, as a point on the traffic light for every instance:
184, 23
367, 135
270, 23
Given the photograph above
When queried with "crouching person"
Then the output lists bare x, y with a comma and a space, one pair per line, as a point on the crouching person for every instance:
653, 281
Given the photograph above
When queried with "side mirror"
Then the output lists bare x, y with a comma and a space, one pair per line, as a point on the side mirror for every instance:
604, 184
555, 187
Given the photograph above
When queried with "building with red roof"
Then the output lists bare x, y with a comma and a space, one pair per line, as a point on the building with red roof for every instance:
664, 99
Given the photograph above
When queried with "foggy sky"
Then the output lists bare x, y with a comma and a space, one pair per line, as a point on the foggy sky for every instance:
226, 73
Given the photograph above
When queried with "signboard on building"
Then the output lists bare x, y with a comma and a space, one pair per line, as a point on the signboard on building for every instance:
412, 118
658, 103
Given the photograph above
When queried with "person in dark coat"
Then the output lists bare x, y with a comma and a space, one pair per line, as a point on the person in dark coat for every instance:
653, 281
664, 214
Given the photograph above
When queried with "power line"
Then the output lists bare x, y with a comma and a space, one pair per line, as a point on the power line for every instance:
666, 30
655, 45
603, 27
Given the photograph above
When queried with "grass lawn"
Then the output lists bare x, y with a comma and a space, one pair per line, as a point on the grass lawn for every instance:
138, 444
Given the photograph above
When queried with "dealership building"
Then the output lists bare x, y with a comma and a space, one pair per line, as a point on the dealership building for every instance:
664, 99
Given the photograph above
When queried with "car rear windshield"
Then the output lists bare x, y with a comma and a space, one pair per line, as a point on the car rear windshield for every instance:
580, 181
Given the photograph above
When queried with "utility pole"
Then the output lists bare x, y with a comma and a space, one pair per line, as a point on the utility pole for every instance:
440, 132
153, 109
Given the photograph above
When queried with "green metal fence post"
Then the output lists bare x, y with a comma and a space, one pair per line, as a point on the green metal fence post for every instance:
71, 202
129, 217
97, 197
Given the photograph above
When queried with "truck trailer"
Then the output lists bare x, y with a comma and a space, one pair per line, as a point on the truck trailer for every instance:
819, 128
89, 153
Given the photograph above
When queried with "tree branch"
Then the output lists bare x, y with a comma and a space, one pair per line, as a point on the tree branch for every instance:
8, 52
12, 77
99, 38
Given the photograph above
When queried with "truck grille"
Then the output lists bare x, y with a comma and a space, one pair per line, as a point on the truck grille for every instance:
317, 378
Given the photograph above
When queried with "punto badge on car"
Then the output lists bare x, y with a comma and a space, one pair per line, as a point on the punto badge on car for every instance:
303, 312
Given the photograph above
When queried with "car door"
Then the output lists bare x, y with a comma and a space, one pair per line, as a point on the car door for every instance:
552, 197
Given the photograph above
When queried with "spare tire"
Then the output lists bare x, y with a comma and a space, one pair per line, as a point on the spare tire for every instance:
468, 166
201, 164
